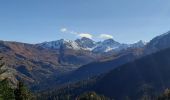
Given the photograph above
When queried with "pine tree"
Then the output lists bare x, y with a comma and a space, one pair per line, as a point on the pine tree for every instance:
22, 93
6, 92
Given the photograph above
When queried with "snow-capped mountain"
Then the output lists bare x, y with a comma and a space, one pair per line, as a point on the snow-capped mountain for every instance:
106, 46
57, 44
138, 44
90, 45
86, 43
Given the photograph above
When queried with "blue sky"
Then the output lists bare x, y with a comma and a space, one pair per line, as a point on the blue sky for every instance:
127, 21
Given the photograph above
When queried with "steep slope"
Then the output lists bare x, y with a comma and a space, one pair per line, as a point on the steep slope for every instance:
149, 74
158, 43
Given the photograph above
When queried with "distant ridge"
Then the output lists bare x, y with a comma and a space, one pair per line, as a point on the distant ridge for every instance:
105, 46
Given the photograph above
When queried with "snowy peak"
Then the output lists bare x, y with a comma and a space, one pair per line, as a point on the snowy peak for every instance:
86, 39
110, 42
138, 44
106, 46
57, 44
90, 45
85, 43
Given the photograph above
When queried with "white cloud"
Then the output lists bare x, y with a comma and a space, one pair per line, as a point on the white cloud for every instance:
87, 35
105, 36
63, 30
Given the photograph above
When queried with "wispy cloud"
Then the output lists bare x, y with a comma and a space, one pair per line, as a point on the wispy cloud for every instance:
105, 36
63, 30
87, 35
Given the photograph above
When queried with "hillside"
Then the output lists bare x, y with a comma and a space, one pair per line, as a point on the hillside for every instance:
101, 67
148, 75
35, 64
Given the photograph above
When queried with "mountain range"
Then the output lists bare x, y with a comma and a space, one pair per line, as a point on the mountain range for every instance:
144, 77
37, 63
51, 64
90, 45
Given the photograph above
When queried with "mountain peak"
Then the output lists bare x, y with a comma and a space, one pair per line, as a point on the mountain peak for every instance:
138, 44
158, 43
110, 41
90, 45
141, 42
85, 38
85, 43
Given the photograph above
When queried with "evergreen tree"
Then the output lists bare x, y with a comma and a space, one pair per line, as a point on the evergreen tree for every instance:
6, 92
22, 93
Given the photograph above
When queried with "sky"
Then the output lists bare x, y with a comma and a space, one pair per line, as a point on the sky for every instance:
126, 21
